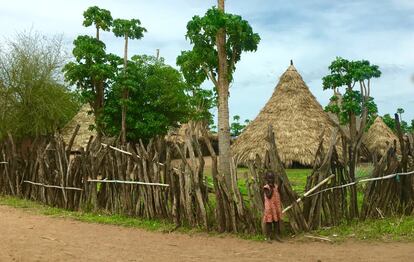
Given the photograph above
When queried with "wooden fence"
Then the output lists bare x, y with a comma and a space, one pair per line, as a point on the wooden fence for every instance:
144, 181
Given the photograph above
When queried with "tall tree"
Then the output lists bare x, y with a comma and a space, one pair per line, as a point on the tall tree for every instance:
129, 29
224, 135
218, 40
356, 104
400, 111
92, 72
102, 20
158, 100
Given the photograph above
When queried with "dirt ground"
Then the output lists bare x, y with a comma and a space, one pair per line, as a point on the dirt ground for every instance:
25, 236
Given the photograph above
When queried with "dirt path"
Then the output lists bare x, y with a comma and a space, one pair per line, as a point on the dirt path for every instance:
28, 237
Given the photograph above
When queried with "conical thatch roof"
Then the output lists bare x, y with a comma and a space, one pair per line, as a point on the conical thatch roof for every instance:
297, 119
85, 119
377, 137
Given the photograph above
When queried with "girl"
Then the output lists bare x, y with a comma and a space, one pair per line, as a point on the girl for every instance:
272, 208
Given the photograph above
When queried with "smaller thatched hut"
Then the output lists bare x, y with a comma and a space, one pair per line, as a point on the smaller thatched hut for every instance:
177, 135
379, 137
85, 119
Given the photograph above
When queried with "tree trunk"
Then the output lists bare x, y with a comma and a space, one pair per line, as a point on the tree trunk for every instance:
97, 32
124, 95
99, 99
353, 153
223, 104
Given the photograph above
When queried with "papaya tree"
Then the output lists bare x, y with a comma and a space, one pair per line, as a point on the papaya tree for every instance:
91, 72
218, 40
129, 29
100, 18
356, 104
400, 111
92, 67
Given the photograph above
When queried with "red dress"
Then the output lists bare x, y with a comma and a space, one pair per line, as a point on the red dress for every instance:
272, 206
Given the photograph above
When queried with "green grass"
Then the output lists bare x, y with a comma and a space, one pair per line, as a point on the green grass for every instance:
154, 225
387, 229
101, 218
297, 178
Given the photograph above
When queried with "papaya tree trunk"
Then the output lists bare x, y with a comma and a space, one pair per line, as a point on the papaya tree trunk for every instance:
223, 103
99, 99
124, 95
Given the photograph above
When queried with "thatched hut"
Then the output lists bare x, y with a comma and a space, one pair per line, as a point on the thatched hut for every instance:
85, 119
297, 118
178, 135
378, 137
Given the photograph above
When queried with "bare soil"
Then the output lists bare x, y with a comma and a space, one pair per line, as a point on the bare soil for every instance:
25, 236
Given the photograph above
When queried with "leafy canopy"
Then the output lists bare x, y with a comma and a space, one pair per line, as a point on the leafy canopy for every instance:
344, 73
236, 127
128, 28
348, 73
202, 61
33, 99
93, 65
101, 18
157, 99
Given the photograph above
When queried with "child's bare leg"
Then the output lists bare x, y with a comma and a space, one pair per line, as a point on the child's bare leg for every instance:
268, 231
276, 231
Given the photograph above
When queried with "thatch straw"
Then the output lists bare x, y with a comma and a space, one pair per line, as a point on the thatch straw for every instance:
297, 119
85, 120
377, 137
178, 135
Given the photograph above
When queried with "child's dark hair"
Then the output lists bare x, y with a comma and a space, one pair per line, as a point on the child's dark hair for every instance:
269, 176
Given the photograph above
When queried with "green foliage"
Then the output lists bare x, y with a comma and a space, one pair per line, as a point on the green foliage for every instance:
236, 127
348, 73
157, 99
91, 67
33, 100
201, 101
101, 18
202, 61
128, 28
352, 103
389, 121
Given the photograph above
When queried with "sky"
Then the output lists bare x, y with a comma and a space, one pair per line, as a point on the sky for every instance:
311, 33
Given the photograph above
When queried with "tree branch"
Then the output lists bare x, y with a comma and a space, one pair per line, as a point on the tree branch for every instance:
210, 75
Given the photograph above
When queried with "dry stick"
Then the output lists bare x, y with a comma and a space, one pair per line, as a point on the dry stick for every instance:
127, 182
52, 186
309, 192
319, 238
4, 163
364, 180
72, 139
128, 153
